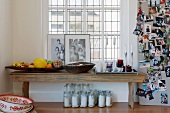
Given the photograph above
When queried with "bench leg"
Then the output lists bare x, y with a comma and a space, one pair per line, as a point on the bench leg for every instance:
131, 95
25, 89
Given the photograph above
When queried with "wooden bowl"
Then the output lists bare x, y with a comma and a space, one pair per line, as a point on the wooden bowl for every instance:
79, 67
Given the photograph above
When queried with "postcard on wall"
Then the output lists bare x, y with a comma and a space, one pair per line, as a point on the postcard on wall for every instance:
162, 85
164, 98
144, 64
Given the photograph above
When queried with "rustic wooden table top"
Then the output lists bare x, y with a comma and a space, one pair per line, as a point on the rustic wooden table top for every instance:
63, 76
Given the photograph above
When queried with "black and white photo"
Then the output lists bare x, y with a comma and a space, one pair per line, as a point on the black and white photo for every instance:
77, 47
56, 47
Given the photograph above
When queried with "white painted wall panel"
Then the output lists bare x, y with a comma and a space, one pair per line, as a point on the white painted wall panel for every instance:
6, 44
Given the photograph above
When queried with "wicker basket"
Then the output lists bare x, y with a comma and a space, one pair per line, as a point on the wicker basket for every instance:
79, 67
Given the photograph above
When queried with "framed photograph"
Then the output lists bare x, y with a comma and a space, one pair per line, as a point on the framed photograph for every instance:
56, 47
77, 47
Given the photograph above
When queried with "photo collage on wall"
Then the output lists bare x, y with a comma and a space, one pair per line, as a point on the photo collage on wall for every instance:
153, 31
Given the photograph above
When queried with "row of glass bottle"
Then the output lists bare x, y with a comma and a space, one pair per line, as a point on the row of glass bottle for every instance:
70, 87
74, 97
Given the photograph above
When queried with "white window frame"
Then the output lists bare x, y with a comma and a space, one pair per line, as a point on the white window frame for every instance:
124, 26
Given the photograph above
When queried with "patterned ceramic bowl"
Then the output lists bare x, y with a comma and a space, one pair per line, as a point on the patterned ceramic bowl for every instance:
15, 104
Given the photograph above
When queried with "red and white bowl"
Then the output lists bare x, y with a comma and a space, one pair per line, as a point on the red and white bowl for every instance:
15, 104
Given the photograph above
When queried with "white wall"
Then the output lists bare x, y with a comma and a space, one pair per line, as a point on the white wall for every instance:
28, 45
5, 44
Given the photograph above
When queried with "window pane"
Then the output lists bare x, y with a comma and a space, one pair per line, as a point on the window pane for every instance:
94, 21
75, 21
94, 3
56, 21
75, 3
96, 47
55, 3
113, 3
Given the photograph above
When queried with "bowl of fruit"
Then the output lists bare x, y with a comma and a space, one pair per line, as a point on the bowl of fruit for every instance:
38, 65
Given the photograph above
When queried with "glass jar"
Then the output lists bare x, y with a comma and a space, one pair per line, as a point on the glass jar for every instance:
101, 99
85, 88
91, 99
69, 87
67, 99
108, 98
83, 100
75, 99
77, 87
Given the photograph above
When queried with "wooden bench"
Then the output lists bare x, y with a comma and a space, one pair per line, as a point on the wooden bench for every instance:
63, 76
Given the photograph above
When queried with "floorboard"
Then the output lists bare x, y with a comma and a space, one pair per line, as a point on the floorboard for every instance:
116, 108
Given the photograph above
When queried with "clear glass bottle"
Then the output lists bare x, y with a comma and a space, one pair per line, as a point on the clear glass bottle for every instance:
67, 99
101, 99
91, 99
77, 87
83, 100
85, 87
69, 87
75, 99
108, 98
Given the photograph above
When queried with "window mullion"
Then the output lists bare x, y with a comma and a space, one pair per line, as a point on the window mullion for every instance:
66, 16
103, 30
84, 17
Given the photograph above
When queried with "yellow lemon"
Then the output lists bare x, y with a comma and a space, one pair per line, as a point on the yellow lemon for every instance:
40, 63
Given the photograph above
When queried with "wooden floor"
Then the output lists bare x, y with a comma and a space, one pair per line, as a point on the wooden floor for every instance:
116, 108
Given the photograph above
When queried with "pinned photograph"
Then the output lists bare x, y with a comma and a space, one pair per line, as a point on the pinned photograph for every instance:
160, 41
142, 47
167, 71
154, 86
158, 21
152, 3
167, 19
158, 75
161, 10
161, 67
165, 49
164, 98
145, 38
152, 10
167, 11
147, 93
150, 71
155, 62
162, 85
158, 32
158, 51
146, 55
144, 64
147, 28
151, 45
149, 18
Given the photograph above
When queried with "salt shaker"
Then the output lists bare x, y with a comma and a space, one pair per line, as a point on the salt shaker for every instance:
108, 99
91, 99
101, 100
83, 99
67, 99
75, 99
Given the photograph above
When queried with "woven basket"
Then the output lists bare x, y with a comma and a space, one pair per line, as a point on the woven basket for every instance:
79, 67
